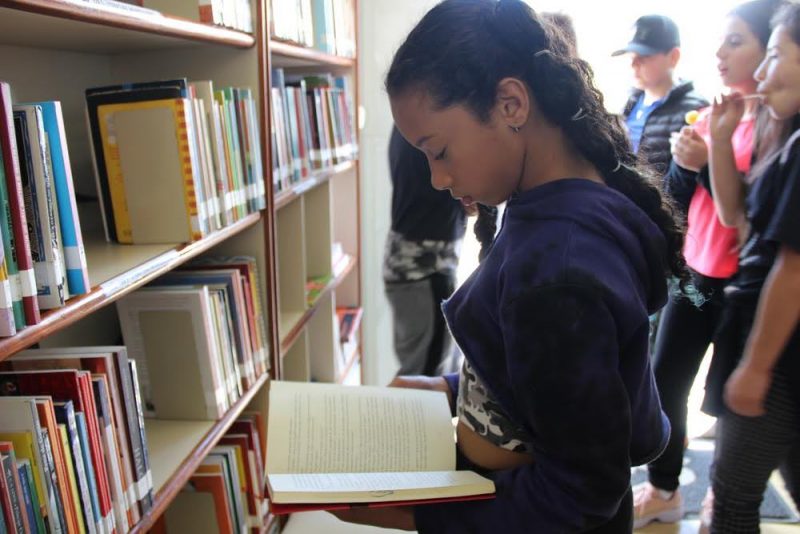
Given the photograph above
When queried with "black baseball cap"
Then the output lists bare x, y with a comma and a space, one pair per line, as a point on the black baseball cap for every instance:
655, 34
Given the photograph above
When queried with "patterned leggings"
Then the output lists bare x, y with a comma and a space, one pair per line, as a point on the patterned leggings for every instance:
748, 450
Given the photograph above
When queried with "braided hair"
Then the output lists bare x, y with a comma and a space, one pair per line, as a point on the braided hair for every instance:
462, 49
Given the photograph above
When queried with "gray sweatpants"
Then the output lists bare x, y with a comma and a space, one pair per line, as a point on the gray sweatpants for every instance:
422, 341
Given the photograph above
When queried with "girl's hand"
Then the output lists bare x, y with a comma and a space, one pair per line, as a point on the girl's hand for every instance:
746, 391
689, 150
726, 114
433, 383
397, 517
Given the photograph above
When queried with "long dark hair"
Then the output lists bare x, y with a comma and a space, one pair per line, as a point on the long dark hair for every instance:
770, 134
461, 49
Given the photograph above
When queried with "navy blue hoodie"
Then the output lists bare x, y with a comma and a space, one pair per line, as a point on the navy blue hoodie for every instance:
555, 322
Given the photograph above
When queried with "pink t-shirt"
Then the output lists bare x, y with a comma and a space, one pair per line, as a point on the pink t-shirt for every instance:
710, 248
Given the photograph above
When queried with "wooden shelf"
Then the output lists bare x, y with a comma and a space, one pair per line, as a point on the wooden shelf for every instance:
62, 24
177, 448
116, 270
285, 197
300, 56
290, 332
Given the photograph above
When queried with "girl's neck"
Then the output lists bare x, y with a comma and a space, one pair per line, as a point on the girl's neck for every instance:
549, 156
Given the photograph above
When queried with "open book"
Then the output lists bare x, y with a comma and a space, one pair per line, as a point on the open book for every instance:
331, 446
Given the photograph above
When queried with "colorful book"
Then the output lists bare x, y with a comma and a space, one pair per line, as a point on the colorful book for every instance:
13, 183
40, 198
65, 416
31, 499
146, 148
8, 325
7, 235
72, 240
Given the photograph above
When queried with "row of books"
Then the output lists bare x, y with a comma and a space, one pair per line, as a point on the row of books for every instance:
198, 336
226, 495
327, 25
43, 259
72, 442
174, 161
234, 14
313, 125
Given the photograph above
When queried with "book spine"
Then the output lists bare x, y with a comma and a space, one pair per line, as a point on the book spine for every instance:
115, 180
258, 167
190, 167
143, 490
7, 322
13, 181
66, 415
91, 476
6, 229
51, 480
110, 455
39, 195
13, 499
28, 496
73, 483
140, 416
74, 253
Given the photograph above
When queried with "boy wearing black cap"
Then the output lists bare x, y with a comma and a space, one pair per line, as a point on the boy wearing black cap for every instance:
658, 103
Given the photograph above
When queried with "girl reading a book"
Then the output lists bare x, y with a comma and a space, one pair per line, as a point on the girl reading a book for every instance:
556, 400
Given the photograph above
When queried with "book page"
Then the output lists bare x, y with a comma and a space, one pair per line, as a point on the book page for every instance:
374, 487
328, 428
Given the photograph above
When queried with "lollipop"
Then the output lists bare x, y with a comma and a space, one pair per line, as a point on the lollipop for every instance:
691, 117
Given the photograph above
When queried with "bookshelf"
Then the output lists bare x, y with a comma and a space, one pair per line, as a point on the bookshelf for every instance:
54, 50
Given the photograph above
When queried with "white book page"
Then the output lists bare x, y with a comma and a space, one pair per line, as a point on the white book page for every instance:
375, 487
327, 428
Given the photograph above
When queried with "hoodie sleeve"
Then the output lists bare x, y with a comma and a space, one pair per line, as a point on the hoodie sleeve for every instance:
563, 360
679, 184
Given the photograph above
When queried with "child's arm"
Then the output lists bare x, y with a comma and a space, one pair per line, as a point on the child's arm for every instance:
563, 359
726, 180
777, 317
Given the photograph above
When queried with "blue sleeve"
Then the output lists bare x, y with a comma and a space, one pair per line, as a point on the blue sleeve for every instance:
453, 380
679, 184
563, 362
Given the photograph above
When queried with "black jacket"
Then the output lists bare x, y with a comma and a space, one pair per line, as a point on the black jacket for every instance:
667, 118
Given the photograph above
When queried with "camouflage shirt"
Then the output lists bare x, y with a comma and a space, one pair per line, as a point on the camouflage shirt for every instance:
477, 409
405, 260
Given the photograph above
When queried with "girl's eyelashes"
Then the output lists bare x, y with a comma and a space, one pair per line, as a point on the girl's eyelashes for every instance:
440, 156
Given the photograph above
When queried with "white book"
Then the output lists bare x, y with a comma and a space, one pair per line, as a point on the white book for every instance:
168, 334
47, 256
329, 444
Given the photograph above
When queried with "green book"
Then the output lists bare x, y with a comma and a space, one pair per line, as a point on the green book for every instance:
11, 252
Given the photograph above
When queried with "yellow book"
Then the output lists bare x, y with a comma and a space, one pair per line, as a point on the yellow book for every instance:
152, 170
24, 449
62, 430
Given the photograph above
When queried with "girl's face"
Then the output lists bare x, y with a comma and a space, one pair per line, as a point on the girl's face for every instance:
779, 75
475, 161
739, 56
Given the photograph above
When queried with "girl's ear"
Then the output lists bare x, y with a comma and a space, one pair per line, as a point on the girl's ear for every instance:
513, 102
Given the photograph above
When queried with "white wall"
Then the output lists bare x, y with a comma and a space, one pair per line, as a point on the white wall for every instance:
382, 28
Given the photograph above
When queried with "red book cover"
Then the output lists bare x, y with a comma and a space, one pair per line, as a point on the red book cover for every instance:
66, 385
19, 225
282, 509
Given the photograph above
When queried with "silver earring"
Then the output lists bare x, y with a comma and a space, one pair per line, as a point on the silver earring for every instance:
515, 128
578, 115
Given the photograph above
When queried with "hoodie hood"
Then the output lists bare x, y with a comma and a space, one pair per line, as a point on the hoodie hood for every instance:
600, 211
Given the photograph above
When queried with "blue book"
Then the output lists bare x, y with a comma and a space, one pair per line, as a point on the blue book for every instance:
322, 15
29, 498
74, 254
83, 436
65, 415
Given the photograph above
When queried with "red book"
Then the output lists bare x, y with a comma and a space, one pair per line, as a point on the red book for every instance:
22, 244
282, 509
216, 485
67, 385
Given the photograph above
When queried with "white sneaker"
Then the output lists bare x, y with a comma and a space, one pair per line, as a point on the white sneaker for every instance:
650, 506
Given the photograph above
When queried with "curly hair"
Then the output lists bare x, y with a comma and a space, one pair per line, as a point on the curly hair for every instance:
462, 49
